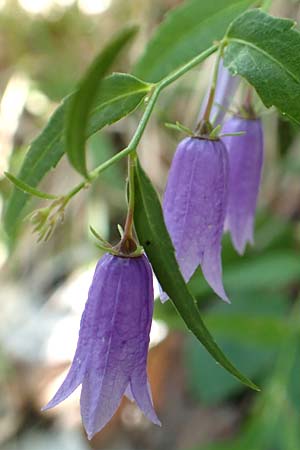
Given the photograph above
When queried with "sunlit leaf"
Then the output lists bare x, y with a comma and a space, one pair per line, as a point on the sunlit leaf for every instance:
120, 95
83, 100
187, 31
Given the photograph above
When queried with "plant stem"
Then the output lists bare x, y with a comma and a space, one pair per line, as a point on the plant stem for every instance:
130, 211
266, 5
212, 91
169, 79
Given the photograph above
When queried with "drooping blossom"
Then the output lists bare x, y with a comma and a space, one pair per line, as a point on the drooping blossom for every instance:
245, 161
111, 354
194, 207
226, 88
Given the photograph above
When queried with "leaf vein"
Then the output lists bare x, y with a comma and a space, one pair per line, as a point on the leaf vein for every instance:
266, 54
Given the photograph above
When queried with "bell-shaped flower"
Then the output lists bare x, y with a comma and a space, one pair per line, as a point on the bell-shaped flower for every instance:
194, 207
245, 161
112, 348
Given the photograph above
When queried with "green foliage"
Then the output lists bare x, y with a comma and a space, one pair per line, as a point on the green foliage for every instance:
262, 271
82, 101
250, 332
28, 189
43, 154
153, 236
273, 422
265, 50
120, 95
187, 31
101, 148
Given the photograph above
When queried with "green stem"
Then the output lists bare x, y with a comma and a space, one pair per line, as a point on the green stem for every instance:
211, 97
130, 212
266, 5
144, 120
169, 79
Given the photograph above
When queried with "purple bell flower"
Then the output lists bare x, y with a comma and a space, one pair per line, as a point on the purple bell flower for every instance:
112, 348
245, 161
194, 207
226, 88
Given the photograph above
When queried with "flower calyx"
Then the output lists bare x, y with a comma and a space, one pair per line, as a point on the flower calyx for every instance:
126, 248
205, 130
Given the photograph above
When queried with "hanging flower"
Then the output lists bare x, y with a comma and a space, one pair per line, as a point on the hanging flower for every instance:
245, 161
112, 348
194, 207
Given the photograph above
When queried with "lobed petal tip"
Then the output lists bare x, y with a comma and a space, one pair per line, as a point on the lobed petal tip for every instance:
91, 434
240, 248
50, 405
226, 299
222, 294
163, 297
157, 422
240, 245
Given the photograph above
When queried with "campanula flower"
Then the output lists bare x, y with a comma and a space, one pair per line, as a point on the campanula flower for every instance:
194, 207
111, 354
245, 161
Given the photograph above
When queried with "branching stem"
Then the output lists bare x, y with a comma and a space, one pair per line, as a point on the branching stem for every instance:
151, 101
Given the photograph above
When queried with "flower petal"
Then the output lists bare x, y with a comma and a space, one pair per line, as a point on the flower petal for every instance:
141, 393
80, 361
100, 399
72, 381
128, 393
246, 160
212, 270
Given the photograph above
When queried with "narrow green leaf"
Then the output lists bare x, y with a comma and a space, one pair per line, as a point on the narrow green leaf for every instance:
187, 31
83, 100
24, 187
153, 235
266, 51
120, 95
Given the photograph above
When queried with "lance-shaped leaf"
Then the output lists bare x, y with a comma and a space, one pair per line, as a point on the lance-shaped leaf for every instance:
266, 51
187, 31
24, 187
120, 95
83, 100
153, 235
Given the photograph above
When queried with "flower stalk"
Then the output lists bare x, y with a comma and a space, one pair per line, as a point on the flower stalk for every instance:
151, 101
128, 245
211, 96
130, 150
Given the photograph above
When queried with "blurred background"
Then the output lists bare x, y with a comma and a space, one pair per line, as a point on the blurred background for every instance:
45, 46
